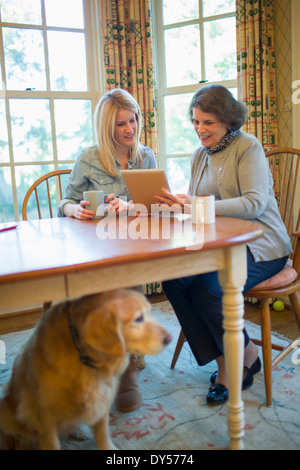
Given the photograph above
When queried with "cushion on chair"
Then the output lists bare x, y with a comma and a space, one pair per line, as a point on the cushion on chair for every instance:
285, 277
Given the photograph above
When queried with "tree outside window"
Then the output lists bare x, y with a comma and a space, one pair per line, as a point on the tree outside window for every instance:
47, 96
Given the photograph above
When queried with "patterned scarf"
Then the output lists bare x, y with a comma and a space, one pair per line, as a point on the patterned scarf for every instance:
224, 143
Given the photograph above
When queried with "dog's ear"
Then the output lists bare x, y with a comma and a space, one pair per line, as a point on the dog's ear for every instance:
103, 332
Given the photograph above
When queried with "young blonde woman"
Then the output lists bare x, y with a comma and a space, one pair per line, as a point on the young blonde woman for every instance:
117, 124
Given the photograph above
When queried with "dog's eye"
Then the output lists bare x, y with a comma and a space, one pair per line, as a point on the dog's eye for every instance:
139, 319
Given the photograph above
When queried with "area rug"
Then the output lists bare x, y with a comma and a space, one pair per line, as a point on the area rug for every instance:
174, 414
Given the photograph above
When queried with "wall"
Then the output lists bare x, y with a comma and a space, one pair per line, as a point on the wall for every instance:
283, 45
296, 70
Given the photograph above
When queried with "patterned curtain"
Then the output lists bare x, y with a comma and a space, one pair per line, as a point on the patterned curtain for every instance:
257, 68
127, 45
257, 73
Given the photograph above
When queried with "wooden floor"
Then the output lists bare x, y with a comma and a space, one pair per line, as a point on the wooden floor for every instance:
282, 322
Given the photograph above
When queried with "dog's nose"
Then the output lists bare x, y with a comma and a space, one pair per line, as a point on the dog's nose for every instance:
167, 339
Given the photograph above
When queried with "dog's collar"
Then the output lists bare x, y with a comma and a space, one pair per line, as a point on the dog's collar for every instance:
84, 358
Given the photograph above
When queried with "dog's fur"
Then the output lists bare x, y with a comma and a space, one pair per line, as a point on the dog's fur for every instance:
52, 391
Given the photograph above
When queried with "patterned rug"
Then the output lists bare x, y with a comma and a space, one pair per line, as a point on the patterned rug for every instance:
174, 414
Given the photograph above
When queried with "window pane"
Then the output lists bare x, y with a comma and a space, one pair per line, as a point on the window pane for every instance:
217, 7
4, 154
24, 59
64, 13
31, 130
67, 60
178, 174
66, 166
220, 50
182, 47
180, 134
6, 206
21, 11
25, 177
175, 11
74, 128
234, 91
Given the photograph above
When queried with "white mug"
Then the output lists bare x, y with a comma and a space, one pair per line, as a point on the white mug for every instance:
209, 209
96, 199
197, 210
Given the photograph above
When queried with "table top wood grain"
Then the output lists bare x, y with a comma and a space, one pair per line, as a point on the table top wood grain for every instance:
46, 247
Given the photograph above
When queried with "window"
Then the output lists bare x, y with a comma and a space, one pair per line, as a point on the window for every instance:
47, 92
196, 43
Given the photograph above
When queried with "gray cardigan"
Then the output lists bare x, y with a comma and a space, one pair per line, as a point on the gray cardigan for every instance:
241, 181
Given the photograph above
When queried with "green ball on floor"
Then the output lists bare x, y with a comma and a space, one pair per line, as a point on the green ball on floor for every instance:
278, 305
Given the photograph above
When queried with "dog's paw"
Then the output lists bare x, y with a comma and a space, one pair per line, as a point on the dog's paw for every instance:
81, 433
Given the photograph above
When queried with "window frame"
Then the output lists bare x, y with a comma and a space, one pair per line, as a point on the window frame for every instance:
160, 65
95, 85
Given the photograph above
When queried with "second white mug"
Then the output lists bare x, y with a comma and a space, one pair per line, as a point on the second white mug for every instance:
209, 213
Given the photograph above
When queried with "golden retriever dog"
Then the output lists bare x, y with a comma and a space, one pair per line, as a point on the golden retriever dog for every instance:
68, 372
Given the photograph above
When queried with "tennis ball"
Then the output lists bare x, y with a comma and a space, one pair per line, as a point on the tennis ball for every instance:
278, 305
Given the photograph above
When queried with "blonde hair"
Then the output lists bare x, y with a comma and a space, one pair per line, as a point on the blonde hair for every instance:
104, 125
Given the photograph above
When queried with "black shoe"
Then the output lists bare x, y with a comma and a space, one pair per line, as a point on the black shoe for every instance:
248, 379
217, 395
254, 369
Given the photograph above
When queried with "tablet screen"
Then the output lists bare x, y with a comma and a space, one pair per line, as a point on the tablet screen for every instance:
144, 184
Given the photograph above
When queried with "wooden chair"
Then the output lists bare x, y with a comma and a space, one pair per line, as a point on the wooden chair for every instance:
43, 183
287, 282
45, 187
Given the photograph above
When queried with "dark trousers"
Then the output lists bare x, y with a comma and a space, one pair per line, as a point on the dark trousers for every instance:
197, 302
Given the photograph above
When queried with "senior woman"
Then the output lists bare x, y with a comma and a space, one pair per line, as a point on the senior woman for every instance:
231, 165
118, 124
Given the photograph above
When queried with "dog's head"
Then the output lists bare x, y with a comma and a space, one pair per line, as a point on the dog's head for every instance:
119, 322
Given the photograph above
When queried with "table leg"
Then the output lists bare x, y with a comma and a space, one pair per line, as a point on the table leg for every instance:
232, 280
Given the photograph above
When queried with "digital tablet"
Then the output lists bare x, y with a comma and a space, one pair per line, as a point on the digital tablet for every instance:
143, 184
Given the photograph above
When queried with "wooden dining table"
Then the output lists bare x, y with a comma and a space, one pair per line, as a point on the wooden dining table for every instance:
59, 258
